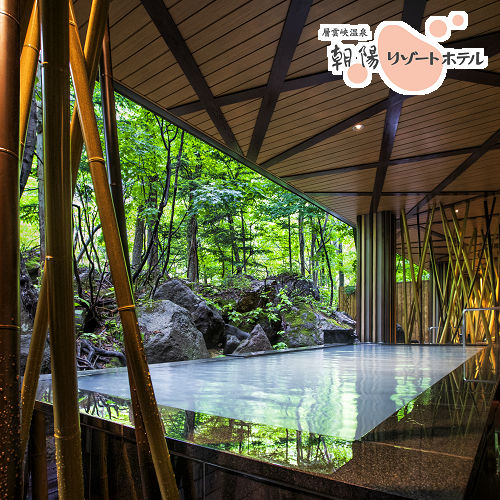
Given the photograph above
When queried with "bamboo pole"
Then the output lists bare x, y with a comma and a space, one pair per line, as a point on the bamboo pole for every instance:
124, 298
422, 256
457, 250
34, 363
412, 269
38, 458
103, 465
405, 310
148, 478
475, 291
59, 260
92, 50
26, 8
451, 298
93, 44
457, 273
489, 283
111, 142
440, 293
10, 453
29, 63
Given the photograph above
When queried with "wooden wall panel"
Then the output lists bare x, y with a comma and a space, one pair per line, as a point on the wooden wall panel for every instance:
347, 303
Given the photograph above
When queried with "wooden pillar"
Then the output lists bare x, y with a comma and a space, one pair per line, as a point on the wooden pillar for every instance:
10, 454
376, 280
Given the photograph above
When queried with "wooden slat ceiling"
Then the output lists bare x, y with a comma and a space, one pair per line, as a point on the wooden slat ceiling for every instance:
251, 77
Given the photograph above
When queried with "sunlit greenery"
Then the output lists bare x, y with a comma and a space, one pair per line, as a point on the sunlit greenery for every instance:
243, 223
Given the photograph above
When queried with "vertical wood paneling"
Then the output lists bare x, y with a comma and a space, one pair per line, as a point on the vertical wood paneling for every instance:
347, 303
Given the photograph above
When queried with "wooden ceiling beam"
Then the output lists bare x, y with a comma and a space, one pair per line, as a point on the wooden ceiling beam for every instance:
332, 131
398, 161
475, 76
466, 75
388, 137
413, 13
170, 33
492, 141
258, 92
491, 78
224, 100
402, 193
490, 42
292, 29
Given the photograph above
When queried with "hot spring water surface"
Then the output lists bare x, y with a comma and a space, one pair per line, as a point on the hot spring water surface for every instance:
343, 391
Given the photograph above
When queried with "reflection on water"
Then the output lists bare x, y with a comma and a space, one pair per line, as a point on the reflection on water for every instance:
306, 451
343, 392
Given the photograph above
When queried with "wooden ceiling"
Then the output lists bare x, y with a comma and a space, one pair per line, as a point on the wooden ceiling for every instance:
250, 77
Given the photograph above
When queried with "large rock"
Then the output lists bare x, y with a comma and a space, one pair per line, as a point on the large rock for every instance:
231, 344
251, 297
206, 318
272, 327
25, 346
400, 334
230, 330
304, 326
257, 342
29, 300
174, 335
344, 319
296, 286
26, 321
233, 337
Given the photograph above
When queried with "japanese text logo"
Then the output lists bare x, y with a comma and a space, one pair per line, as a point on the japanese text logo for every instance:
407, 61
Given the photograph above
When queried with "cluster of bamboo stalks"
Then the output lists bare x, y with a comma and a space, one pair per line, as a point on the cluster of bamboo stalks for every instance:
52, 32
470, 280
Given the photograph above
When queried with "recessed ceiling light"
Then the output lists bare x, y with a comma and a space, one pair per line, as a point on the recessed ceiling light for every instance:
358, 127
456, 210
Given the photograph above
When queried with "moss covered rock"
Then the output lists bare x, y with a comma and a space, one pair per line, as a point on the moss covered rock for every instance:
304, 326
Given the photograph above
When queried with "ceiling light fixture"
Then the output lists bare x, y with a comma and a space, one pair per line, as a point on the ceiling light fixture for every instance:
358, 127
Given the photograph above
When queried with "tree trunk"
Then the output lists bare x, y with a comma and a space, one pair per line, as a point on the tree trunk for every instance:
41, 187
314, 269
341, 267
236, 255
163, 204
243, 238
138, 238
193, 271
153, 255
152, 234
290, 243
327, 258
29, 148
302, 245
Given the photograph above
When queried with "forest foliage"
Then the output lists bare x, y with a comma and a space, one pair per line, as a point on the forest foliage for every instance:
191, 212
